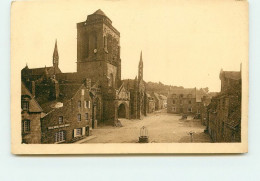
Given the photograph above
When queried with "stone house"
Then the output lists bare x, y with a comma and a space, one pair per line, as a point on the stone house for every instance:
150, 103
68, 111
163, 101
224, 113
182, 101
157, 101
31, 117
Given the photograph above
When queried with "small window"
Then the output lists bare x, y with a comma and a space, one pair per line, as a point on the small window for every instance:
189, 102
79, 104
174, 109
173, 101
190, 109
79, 117
181, 95
25, 105
78, 132
60, 119
82, 92
59, 136
26, 126
87, 104
86, 116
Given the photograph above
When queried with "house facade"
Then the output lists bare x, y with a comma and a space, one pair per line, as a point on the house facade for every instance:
182, 101
224, 112
31, 117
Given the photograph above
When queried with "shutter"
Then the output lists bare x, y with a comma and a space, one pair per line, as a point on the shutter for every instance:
83, 131
75, 133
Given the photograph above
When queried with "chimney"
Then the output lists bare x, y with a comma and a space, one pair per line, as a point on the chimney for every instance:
33, 88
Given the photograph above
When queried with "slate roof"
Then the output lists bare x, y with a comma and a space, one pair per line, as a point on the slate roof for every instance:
163, 97
33, 104
67, 91
41, 71
185, 92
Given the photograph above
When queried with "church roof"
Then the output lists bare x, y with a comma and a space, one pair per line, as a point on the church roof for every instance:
41, 71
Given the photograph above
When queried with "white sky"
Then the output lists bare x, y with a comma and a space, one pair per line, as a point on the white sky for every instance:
184, 43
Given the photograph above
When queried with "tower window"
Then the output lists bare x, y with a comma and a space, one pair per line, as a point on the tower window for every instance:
105, 42
95, 41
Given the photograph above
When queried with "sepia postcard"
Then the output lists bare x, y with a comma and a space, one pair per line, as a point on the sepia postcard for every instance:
129, 77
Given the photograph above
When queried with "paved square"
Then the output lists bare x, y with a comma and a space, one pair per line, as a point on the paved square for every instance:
162, 128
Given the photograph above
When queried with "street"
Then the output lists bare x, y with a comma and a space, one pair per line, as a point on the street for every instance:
162, 128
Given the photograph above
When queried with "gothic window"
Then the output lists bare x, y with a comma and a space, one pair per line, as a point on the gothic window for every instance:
95, 40
105, 42
87, 45
111, 80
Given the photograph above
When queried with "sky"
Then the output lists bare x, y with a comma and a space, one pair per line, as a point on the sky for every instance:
184, 43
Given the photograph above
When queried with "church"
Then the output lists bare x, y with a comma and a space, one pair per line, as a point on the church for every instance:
98, 70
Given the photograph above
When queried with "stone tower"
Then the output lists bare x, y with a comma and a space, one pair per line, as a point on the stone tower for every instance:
55, 58
98, 50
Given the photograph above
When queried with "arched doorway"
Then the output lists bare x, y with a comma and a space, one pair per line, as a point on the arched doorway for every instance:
122, 111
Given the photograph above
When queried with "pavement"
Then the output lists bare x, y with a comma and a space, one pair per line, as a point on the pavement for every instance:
162, 128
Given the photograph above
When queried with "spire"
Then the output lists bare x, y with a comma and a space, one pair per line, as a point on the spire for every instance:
141, 57
55, 52
140, 68
55, 56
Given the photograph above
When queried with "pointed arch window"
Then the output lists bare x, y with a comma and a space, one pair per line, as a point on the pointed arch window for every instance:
105, 43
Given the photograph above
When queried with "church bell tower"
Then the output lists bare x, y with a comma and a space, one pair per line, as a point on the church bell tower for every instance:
98, 50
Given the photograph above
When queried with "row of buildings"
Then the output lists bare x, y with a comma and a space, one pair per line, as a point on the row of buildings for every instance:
219, 112
59, 107
224, 112
190, 101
